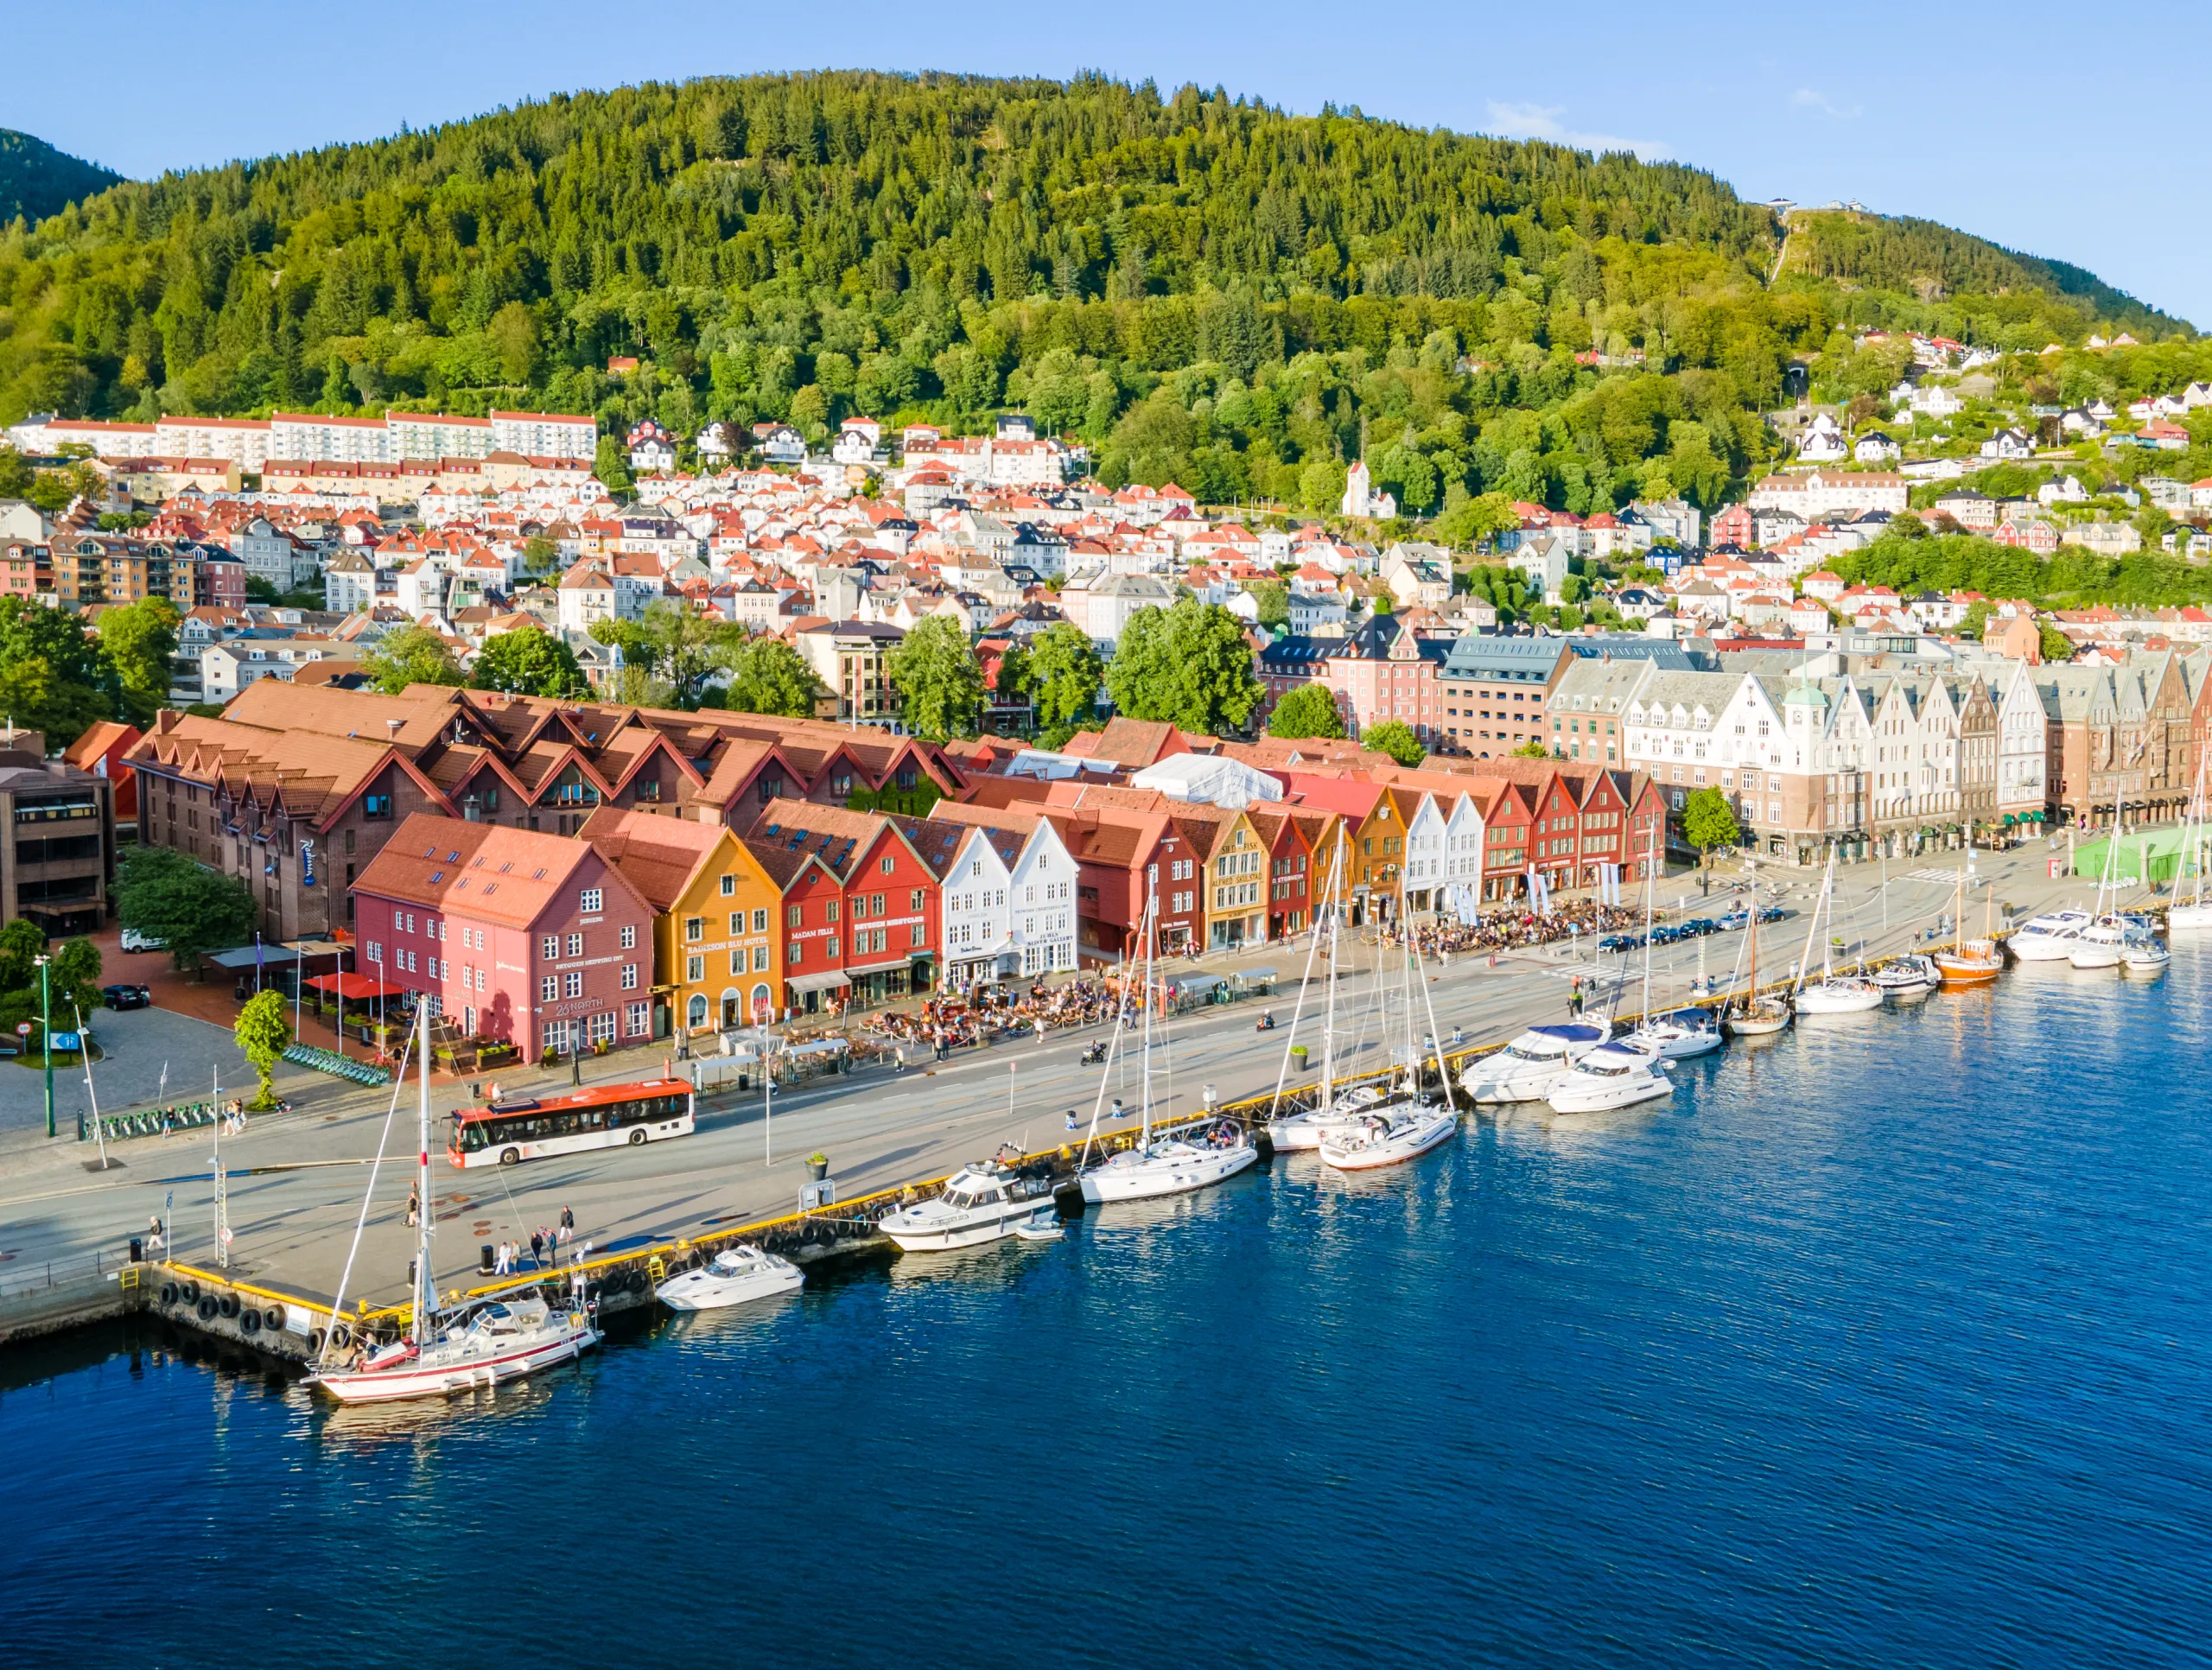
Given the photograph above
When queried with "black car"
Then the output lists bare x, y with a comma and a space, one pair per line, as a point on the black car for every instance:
1771, 913
1700, 926
127, 996
1620, 942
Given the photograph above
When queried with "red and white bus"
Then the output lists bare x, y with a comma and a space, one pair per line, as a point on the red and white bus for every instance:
516, 1128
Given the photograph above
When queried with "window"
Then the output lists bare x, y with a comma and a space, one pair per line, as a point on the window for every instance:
629, 976
376, 805
830, 914
575, 944
829, 947
919, 938
695, 968
760, 922
875, 904
602, 1028
629, 936
760, 959
695, 927
793, 953
915, 900
792, 915
549, 946
635, 1019
589, 903
729, 885
572, 984
885, 867
549, 989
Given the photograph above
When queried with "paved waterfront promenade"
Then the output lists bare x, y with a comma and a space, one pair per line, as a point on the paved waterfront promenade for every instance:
297, 1183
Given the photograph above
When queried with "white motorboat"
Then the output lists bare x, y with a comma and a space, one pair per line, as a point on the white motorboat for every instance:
1676, 1037
1171, 1165
1611, 1076
1308, 1129
2145, 954
2049, 938
481, 1345
1390, 1136
983, 1201
1912, 976
1526, 1069
2190, 918
735, 1275
1839, 994
2100, 944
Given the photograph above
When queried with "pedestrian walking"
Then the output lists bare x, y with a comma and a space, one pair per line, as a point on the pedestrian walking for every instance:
567, 1222
414, 1205
505, 1262
536, 1248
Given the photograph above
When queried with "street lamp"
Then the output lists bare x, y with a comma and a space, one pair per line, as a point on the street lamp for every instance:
46, 1031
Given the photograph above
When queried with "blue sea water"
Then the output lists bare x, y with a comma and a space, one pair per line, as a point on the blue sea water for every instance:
1884, 1343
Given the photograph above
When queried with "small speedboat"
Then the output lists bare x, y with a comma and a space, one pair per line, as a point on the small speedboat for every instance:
1170, 1165
1390, 1136
2049, 938
982, 1202
1839, 994
1526, 1069
1912, 976
2145, 954
1611, 1076
1676, 1037
734, 1276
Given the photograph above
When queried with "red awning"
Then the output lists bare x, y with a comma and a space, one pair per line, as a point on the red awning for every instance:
352, 985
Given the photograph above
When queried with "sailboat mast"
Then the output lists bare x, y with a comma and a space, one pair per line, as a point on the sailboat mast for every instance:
425, 1283
1336, 909
1649, 887
1151, 960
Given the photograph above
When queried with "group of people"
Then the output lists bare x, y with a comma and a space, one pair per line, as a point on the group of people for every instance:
952, 1022
543, 1247
1516, 928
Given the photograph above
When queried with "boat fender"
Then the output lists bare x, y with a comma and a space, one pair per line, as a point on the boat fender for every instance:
315, 1338
228, 1304
189, 1292
208, 1309
341, 1336
273, 1319
168, 1293
250, 1322
639, 1281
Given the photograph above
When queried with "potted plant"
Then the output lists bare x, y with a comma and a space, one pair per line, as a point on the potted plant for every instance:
1297, 1058
818, 1166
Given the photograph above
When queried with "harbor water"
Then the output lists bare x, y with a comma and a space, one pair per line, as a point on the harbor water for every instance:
1884, 1342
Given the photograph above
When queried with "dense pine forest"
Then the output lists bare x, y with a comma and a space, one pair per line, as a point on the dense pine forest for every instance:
1197, 286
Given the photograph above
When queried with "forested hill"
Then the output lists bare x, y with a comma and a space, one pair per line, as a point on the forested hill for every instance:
1199, 286
37, 180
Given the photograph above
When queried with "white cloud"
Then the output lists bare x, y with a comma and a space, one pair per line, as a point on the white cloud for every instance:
1542, 122
1811, 99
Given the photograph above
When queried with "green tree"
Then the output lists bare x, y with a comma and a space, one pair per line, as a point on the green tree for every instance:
164, 895
1274, 599
1188, 666
540, 556
1395, 738
413, 655
1471, 521
76, 976
1061, 673
1531, 751
263, 1033
766, 676
139, 640
53, 678
529, 661
940, 685
22, 942
1708, 821
1308, 711
2055, 644
674, 644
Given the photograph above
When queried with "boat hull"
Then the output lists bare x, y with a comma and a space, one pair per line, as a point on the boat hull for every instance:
1153, 1176
951, 1238
574, 1337
683, 1293
1838, 1000
1430, 1132
1677, 1045
1969, 972
1604, 1099
2042, 947
2190, 918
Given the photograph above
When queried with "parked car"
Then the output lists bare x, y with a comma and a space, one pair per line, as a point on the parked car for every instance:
127, 996
1665, 934
1699, 926
1735, 918
1772, 913
135, 941
1620, 942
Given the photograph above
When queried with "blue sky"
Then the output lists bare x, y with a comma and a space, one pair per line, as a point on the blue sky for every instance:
2056, 132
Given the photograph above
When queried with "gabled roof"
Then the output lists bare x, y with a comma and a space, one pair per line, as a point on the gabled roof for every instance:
484, 870
660, 856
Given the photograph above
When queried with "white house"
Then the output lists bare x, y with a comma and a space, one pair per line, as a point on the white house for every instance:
1876, 447
1009, 903
585, 594
1823, 441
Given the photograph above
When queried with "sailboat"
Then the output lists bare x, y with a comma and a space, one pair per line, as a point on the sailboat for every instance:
1158, 1165
1405, 1121
480, 1345
1969, 961
1834, 994
2196, 915
1665, 1038
2104, 942
1334, 1112
1752, 1015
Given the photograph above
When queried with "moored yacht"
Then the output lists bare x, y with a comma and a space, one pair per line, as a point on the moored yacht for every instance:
735, 1275
1914, 974
1676, 1037
1308, 1129
983, 1201
1610, 1076
1171, 1165
2049, 938
1526, 1069
1390, 1136
2100, 944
